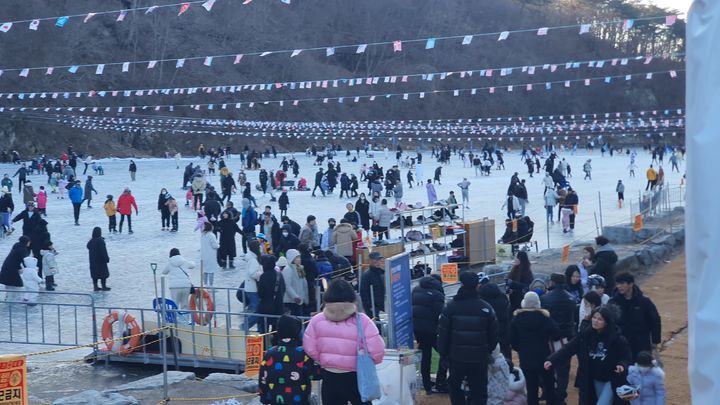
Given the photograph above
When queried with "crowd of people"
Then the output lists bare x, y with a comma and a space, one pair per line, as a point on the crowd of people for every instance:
475, 332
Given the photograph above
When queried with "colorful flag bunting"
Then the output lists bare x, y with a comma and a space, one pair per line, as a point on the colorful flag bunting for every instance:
587, 82
504, 35
492, 90
125, 67
567, 83
151, 64
180, 63
99, 70
529, 87
531, 70
510, 88
467, 39
121, 16
329, 51
265, 53
62, 21
542, 31
238, 58
628, 24
183, 8
88, 17
548, 86
584, 29
151, 9
648, 76
208, 5
670, 20
673, 74
73, 69
5, 27
430, 44
49, 70
246, 2
295, 53
208, 61
648, 60
361, 48
25, 72
397, 46
34, 24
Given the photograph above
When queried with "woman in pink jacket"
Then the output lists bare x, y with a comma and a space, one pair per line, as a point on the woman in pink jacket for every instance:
331, 339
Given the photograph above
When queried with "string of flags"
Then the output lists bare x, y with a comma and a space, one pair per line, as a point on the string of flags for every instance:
399, 78
33, 24
527, 87
330, 50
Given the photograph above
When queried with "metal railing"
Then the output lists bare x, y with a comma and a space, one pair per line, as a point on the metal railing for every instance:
652, 203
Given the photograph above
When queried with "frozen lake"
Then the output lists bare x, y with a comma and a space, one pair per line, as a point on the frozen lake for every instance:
130, 255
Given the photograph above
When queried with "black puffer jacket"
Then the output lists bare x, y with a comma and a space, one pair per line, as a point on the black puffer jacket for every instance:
428, 301
10, 272
605, 259
562, 309
530, 332
491, 293
639, 320
467, 331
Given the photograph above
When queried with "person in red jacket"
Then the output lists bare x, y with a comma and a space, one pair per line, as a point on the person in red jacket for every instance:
125, 204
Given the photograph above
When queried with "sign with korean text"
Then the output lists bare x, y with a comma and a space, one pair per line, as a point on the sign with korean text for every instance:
13, 380
449, 273
253, 355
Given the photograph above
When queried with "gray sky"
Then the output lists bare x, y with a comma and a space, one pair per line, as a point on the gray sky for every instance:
682, 5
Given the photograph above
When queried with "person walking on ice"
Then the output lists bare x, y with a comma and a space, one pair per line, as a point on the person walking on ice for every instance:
587, 168
465, 191
620, 189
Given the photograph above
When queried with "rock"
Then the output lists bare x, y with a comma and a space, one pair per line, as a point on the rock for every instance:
644, 257
93, 397
627, 263
679, 235
667, 239
619, 234
659, 252
155, 381
237, 381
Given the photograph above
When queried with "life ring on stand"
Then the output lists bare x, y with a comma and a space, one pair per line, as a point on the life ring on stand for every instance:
118, 344
208, 307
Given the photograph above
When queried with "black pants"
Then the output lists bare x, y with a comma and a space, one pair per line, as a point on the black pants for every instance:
476, 375
122, 220
340, 388
562, 376
112, 223
21, 183
427, 342
383, 230
76, 211
225, 196
246, 236
174, 221
165, 218
572, 221
532, 382
102, 282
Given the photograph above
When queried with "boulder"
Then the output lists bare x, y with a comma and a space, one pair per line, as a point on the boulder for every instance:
93, 397
628, 263
619, 234
644, 257
237, 381
666, 239
155, 381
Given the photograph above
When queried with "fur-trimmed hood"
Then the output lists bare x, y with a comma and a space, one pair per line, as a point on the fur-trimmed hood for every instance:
542, 311
339, 311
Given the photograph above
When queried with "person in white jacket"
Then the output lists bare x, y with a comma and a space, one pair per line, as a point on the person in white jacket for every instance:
251, 275
31, 280
177, 272
208, 253
296, 288
49, 266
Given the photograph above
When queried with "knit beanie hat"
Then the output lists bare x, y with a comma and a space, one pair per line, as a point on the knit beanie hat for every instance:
531, 300
289, 327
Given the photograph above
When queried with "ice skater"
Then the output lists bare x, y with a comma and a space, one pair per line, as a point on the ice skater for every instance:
620, 189
465, 191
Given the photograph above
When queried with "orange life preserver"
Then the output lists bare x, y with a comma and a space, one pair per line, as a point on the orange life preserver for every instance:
202, 319
117, 345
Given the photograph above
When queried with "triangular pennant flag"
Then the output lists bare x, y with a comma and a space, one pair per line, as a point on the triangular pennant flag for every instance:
183, 8
528, 87
151, 64
628, 24
510, 88
62, 21
670, 20
208, 5
99, 70
492, 90
567, 83
587, 82
121, 16
246, 2
542, 31
151, 9
397, 46
504, 35
584, 29
208, 61
34, 24
88, 17
125, 67
295, 53
180, 63
531, 70
430, 44
265, 53
467, 39
5, 27
628, 77
329, 51
648, 60
361, 48
648, 76
49, 70
25, 72
238, 58
673, 74
73, 69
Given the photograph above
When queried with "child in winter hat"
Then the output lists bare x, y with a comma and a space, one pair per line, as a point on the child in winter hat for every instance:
649, 379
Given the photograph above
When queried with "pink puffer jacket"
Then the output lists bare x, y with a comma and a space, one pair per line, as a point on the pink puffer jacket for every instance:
331, 337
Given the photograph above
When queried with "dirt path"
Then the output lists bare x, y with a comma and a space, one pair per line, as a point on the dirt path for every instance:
667, 289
